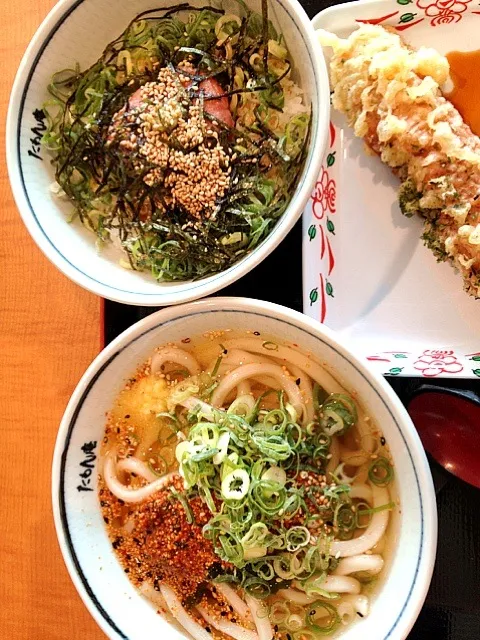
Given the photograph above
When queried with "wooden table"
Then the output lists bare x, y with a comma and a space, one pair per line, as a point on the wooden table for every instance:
50, 331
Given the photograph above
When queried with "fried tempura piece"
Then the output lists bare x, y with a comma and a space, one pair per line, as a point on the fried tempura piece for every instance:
391, 97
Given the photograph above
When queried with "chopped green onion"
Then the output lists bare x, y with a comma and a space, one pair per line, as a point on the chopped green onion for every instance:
297, 537
318, 611
275, 474
270, 346
257, 534
182, 450
344, 517
340, 475
282, 567
292, 413
319, 396
230, 548
383, 507
184, 502
294, 622
242, 406
380, 472
222, 445
338, 414
332, 421
361, 510
279, 612
162, 464
235, 485
314, 586
257, 588
206, 453
217, 366
265, 570
269, 497
275, 421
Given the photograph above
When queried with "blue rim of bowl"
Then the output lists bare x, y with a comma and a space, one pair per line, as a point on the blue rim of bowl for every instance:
202, 282
101, 369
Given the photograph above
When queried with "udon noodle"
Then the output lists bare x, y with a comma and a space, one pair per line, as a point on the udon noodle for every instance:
246, 493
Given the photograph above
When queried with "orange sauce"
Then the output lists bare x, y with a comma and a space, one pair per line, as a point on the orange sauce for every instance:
465, 96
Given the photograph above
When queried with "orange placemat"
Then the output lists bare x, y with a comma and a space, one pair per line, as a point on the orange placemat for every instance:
50, 331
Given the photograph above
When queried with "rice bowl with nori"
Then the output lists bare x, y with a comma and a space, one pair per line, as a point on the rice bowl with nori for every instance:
143, 143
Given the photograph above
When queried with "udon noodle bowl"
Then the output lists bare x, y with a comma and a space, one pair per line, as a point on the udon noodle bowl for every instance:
246, 493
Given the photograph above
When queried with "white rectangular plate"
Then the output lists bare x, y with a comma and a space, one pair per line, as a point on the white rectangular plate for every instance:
366, 272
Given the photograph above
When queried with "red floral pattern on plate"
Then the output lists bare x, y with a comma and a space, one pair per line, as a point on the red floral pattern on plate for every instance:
430, 364
440, 12
323, 203
433, 363
443, 11
325, 195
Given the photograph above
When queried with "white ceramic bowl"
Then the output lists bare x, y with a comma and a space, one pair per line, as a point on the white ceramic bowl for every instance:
77, 31
101, 582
